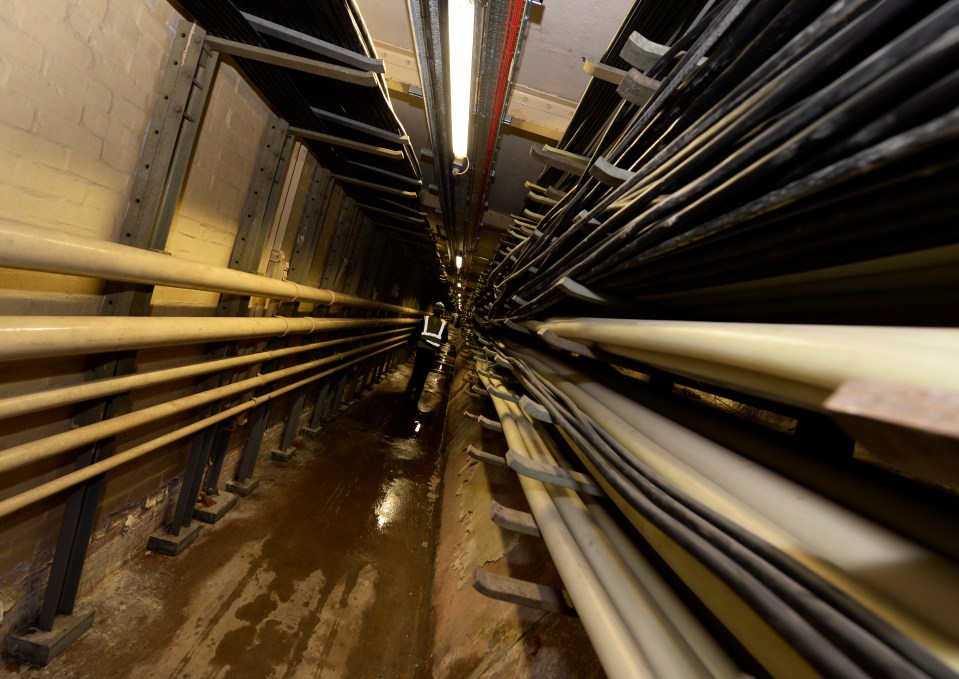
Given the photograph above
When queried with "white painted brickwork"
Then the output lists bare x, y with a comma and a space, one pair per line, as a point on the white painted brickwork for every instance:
78, 83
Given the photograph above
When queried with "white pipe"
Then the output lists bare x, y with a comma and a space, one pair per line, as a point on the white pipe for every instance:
613, 644
662, 642
22, 404
50, 446
35, 248
44, 336
799, 363
911, 586
67, 481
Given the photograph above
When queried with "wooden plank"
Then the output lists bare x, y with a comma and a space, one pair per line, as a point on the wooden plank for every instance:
314, 44
291, 61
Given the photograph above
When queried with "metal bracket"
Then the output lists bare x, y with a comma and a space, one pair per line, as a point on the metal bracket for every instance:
579, 291
637, 88
484, 457
492, 425
609, 174
517, 328
572, 347
642, 53
503, 395
604, 72
513, 519
522, 592
534, 409
569, 163
548, 473
485, 422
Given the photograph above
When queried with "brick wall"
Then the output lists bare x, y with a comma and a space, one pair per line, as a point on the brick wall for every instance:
219, 177
79, 82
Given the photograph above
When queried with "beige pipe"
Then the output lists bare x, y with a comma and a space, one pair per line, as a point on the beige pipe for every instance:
34, 451
614, 645
801, 364
673, 644
856, 555
35, 248
72, 479
22, 404
44, 336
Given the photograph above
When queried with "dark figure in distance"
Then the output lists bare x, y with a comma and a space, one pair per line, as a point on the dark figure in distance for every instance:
434, 332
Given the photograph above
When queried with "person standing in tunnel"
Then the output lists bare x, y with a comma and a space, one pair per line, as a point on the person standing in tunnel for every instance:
433, 334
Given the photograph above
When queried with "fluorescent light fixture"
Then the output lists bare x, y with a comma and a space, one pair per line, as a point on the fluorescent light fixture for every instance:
459, 262
461, 72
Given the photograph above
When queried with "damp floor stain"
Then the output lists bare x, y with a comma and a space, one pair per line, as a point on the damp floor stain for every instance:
325, 571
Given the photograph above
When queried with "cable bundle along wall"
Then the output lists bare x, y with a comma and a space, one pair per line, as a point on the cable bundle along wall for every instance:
743, 254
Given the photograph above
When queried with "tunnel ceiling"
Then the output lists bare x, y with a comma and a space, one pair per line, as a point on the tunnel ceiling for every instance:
548, 82
388, 111
342, 112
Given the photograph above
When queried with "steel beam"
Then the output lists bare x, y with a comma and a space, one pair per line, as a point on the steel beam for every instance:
291, 61
347, 143
314, 44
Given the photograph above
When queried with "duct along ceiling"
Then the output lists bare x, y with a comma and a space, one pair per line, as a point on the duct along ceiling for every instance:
372, 105
528, 66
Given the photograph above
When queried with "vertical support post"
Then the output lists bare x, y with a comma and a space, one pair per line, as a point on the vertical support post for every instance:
144, 227
335, 258
263, 196
260, 417
319, 408
338, 394
286, 449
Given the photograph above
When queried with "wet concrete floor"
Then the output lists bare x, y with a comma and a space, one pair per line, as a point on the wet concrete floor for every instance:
324, 571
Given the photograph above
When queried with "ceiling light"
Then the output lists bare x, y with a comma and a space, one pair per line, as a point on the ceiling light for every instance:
459, 285
460, 35
459, 262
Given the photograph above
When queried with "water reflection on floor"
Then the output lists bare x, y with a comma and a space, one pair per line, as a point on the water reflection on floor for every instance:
325, 571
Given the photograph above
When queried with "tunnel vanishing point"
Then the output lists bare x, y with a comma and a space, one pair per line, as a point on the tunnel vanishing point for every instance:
694, 408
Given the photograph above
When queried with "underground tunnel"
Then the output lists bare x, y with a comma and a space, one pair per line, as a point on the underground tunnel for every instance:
479, 338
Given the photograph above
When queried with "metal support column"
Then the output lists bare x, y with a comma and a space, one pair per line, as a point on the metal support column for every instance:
145, 225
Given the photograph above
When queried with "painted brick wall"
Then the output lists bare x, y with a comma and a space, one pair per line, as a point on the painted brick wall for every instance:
79, 82
206, 222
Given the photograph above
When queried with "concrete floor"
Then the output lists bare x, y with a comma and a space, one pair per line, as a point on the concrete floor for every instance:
324, 571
